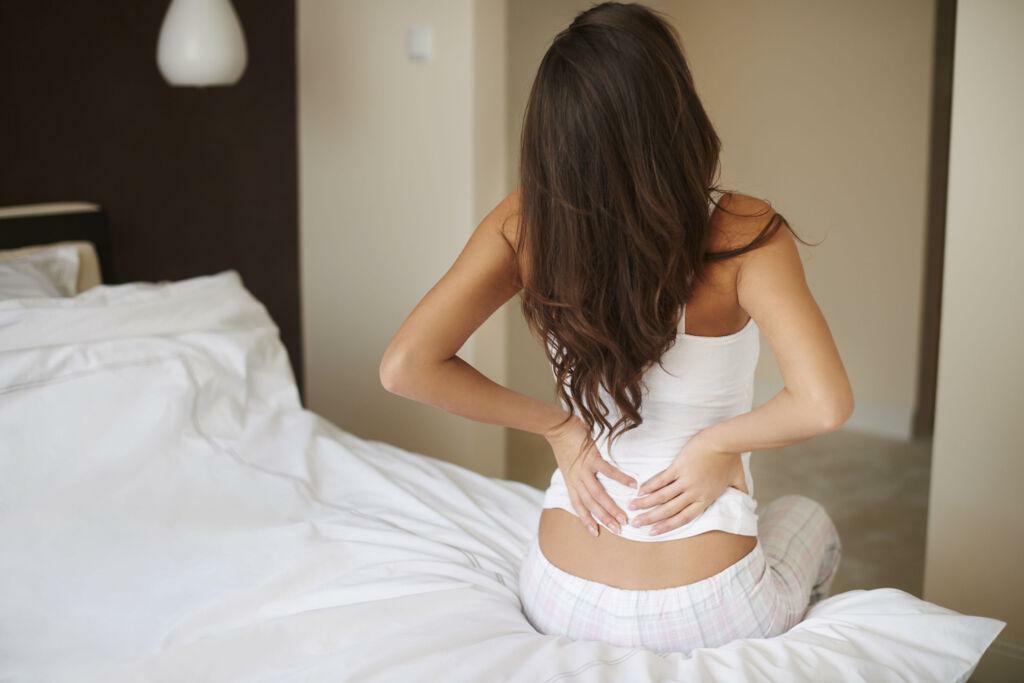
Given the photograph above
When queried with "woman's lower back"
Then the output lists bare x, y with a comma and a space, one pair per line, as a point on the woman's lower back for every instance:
766, 591
615, 561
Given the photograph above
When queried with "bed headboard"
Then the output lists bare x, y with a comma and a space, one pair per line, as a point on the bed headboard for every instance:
32, 224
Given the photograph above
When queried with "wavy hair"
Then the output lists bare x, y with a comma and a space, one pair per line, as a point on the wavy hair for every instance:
617, 168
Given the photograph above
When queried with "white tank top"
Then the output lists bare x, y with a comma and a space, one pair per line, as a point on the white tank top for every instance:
705, 380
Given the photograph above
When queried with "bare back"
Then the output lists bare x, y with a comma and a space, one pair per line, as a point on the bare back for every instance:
712, 311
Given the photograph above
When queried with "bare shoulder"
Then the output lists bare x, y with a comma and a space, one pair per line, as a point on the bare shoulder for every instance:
774, 263
738, 220
505, 216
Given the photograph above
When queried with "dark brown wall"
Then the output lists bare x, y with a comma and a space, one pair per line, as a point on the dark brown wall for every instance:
194, 181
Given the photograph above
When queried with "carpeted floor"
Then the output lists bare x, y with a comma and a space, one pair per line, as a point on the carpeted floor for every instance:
877, 493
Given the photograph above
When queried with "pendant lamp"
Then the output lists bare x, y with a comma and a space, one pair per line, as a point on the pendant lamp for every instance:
201, 43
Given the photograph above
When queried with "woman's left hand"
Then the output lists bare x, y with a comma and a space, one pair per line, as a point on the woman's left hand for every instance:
684, 489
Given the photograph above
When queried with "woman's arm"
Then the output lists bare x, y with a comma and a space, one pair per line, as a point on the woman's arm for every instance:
420, 362
816, 396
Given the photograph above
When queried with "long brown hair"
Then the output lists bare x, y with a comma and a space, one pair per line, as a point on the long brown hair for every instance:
618, 165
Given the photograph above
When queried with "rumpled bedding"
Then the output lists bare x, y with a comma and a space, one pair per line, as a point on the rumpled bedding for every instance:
170, 512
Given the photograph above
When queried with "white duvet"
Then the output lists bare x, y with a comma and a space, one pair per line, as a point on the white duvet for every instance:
169, 512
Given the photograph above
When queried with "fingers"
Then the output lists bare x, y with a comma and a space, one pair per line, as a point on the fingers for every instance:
595, 508
665, 510
662, 495
673, 492
582, 512
610, 513
666, 476
690, 513
611, 471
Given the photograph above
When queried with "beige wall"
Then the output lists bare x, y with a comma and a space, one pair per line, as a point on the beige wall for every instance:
823, 109
490, 184
976, 515
531, 26
399, 160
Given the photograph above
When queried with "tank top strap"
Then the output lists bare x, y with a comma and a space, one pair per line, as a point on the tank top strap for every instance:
711, 210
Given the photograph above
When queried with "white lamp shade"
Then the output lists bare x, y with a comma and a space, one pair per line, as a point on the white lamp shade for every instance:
201, 43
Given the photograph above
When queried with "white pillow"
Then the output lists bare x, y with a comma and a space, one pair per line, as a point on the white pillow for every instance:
48, 272
89, 274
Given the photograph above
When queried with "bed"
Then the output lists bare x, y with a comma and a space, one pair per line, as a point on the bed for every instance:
170, 512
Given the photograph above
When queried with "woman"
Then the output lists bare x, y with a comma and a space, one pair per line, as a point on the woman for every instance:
648, 287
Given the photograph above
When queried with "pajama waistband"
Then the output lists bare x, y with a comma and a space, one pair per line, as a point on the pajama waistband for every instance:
743, 578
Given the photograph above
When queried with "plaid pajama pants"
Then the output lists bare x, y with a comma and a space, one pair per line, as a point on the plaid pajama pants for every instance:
762, 595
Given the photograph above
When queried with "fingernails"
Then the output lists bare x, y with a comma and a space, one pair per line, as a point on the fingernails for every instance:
654, 532
623, 519
637, 522
593, 531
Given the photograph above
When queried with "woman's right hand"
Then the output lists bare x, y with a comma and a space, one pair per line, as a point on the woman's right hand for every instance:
588, 496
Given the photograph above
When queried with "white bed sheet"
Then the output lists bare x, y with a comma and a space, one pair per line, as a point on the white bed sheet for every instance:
168, 512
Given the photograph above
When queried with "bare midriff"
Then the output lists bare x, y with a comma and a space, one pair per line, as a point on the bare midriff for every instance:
636, 565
